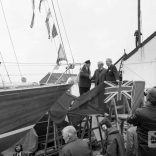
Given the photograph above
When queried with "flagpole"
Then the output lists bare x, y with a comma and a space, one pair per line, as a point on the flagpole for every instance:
139, 29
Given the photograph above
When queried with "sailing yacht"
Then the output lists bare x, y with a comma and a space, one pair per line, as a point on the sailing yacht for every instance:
22, 107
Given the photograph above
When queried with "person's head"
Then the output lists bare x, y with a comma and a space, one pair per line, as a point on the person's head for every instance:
151, 96
18, 148
87, 63
68, 133
105, 123
108, 62
100, 64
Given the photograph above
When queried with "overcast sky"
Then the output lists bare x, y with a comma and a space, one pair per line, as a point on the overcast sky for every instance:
96, 29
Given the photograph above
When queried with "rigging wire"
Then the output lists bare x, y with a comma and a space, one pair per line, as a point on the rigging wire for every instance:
51, 41
10, 38
37, 64
5, 68
1, 78
65, 31
58, 26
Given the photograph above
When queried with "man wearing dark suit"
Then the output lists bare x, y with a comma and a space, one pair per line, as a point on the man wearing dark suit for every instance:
112, 73
85, 78
99, 74
19, 151
74, 146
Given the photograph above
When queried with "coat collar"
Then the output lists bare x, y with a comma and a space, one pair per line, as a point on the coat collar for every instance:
72, 139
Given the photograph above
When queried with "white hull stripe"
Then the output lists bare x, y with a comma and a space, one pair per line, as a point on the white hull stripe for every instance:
16, 131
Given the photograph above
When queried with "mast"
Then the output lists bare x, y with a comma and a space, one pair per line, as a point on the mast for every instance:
139, 26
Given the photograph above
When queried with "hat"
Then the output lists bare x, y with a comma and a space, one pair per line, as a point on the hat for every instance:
88, 62
151, 95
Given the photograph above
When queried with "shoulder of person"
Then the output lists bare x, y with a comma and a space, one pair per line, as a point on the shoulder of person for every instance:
104, 69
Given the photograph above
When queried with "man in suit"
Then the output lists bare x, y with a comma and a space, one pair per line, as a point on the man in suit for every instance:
99, 74
19, 151
112, 73
85, 78
74, 146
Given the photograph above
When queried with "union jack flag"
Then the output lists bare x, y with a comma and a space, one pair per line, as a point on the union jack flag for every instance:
118, 90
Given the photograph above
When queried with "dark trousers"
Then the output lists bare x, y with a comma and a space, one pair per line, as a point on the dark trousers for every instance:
83, 90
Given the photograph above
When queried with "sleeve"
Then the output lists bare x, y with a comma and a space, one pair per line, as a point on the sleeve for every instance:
65, 153
111, 148
129, 145
83, 73
115, 72
134, 119
61, 153
93, 77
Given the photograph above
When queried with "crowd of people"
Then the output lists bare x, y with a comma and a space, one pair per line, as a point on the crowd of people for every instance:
140, 136
141, 131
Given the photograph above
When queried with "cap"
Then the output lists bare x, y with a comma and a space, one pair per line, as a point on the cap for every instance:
88, 62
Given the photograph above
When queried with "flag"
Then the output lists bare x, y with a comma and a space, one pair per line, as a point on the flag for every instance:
47, 22
118, 90
40, 5
138, 95
61, 55
33, 16
54, 31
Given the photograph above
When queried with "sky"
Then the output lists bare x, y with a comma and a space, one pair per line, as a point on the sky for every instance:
96, 30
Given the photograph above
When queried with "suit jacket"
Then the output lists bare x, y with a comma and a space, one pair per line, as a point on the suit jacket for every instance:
112, 74
99, 76
84, 80
76, 147
22, 154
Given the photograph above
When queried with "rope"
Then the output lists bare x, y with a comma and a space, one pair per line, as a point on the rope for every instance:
58, 26
53, 41
10, 38
5, 68
37, 64
65, 31
138, 75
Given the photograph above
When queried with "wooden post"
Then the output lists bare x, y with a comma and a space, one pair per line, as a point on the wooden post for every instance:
86, 123
116, 113
47, 135
102, 140
54, 130
90, 131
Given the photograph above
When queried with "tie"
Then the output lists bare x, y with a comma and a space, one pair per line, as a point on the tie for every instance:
18, 154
